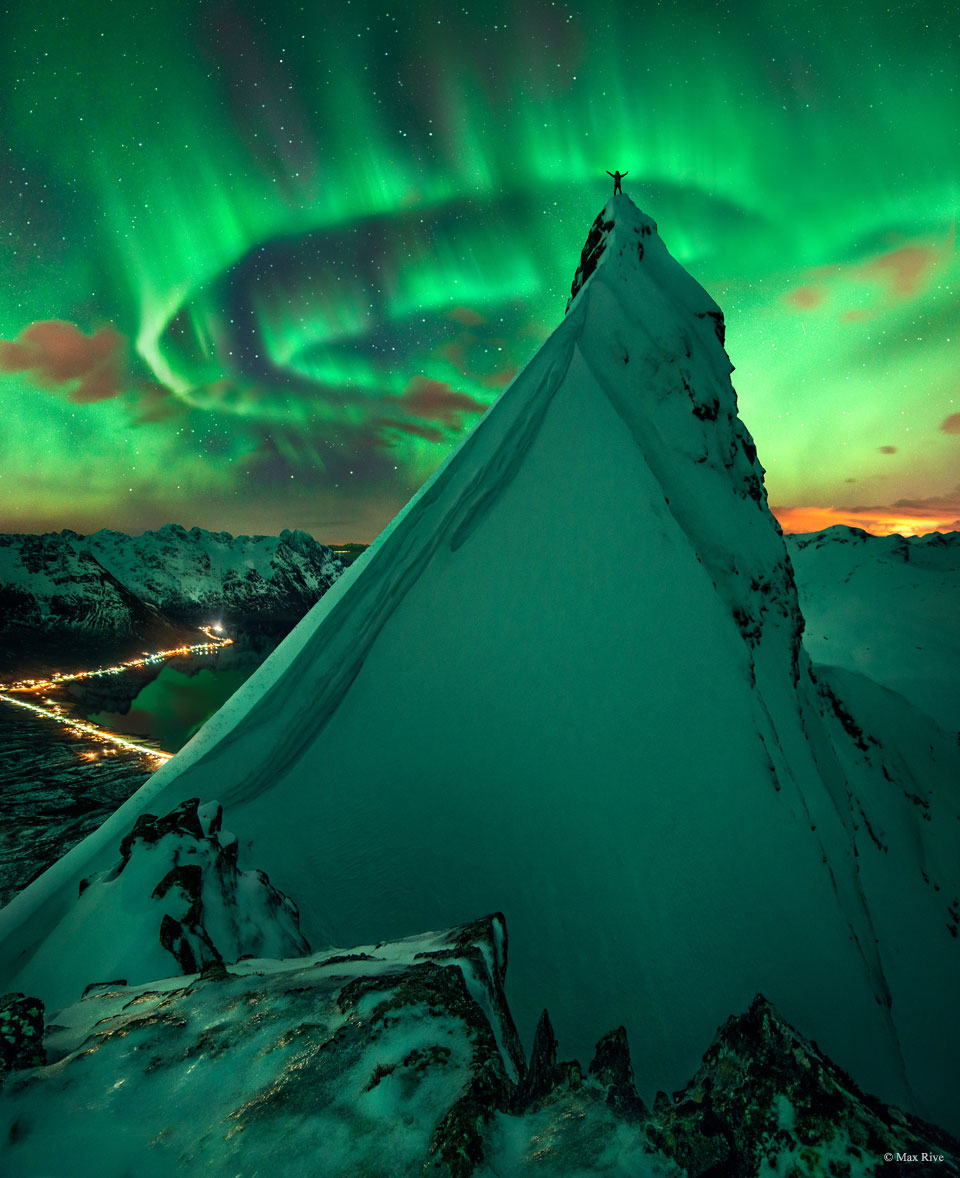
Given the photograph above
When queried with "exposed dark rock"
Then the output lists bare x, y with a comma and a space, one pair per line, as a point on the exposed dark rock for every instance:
21, 1033
591, 254
408, 1058
718, 324
203, 888
764, 1095
182, 819
612, 1069
441, 989
114, 984
544, 1075
840, 710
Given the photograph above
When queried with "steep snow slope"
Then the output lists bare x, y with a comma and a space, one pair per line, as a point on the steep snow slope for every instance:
630, 758
886, 606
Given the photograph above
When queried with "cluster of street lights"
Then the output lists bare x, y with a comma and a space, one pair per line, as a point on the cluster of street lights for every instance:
83, 728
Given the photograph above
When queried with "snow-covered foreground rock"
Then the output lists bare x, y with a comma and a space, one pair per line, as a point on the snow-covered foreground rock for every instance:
175, 891
399, 1059
885, 607
634, 759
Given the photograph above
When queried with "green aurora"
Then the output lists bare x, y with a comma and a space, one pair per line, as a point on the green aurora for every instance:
263, 265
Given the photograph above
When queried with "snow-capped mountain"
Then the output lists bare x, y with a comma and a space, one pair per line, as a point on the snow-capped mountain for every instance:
109, 583
53, 582
197, 573
634, 759
886, 607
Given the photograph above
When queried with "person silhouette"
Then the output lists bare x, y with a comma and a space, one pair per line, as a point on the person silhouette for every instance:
617, 177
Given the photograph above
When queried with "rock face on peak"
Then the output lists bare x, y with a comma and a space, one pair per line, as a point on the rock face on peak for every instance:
652, 340
636, 760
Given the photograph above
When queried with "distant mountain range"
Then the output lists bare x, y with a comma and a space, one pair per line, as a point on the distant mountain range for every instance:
110, 586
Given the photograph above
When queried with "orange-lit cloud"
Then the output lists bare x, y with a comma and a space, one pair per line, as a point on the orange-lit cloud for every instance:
904, 271
901, 272
467, 316
426, 409
60, 358
908, 517
806, 296
499, 379
438, 400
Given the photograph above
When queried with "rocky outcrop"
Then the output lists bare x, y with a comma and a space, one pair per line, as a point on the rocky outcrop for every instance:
386, 1059
177, 901
21, 1033
767, 1100
401, 1058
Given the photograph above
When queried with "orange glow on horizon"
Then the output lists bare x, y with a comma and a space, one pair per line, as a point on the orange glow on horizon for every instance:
879, 521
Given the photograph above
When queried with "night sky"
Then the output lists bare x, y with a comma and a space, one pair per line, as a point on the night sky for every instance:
263, 264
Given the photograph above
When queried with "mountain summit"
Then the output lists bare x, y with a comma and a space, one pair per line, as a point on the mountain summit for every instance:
630, 756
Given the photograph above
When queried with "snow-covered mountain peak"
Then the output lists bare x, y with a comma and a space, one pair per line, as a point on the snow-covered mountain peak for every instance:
624, 247
652, 340
627, 755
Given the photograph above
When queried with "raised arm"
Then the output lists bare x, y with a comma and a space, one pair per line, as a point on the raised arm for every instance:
609, 173
624, 173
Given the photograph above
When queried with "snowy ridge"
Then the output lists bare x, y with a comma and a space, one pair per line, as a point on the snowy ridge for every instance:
400, 1057
180, 570
634, 759
110, 582
886, 607
641, 300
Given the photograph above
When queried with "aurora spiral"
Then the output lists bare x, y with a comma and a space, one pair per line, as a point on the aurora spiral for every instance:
264, 265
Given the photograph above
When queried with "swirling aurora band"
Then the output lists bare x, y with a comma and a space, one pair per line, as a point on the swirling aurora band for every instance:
263, 266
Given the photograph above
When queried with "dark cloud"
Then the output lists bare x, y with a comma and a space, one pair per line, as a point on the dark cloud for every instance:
499, 379
154, 403
60, 358
951, 424
948, 503
430, 433
438, 401
886, 449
